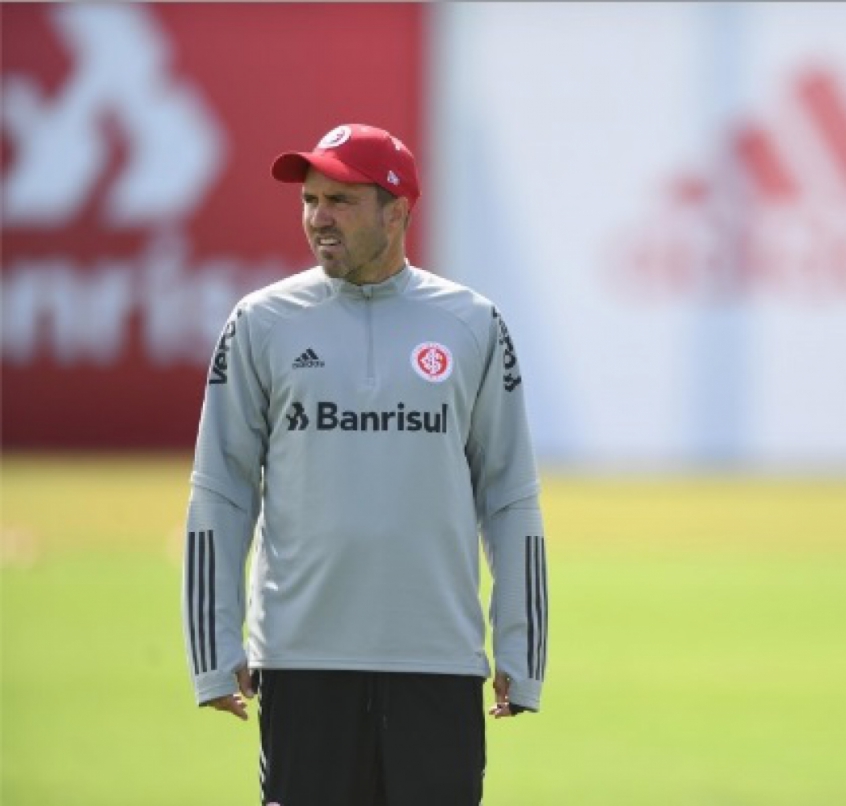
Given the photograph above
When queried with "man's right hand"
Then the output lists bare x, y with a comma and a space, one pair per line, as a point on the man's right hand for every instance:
236, 703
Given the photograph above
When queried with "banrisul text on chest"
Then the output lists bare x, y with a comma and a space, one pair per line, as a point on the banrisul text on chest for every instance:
330, 416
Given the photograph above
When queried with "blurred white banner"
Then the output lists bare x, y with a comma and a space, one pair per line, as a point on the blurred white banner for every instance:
655, 196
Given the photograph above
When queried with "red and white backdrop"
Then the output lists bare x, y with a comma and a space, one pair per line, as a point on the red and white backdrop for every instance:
655, 195
137, 198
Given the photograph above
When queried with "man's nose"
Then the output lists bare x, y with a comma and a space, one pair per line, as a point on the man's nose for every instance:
320, 216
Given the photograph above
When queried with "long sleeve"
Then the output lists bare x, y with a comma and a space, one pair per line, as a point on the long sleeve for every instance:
506, 486
223, 510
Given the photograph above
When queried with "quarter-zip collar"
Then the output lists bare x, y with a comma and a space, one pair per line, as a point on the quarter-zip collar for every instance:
393, 286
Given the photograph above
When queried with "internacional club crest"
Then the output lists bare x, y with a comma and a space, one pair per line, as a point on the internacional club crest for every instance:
432, 361
336, 137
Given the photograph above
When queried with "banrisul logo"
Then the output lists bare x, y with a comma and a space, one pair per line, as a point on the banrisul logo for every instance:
297, 418
329, 416
175, 146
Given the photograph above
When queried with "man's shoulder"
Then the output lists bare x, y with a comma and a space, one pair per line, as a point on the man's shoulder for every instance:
460, 299
288, 296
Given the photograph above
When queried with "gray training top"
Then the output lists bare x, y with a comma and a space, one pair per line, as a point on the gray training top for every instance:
372, 433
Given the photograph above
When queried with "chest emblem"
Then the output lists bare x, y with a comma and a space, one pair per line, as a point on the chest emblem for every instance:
432, 361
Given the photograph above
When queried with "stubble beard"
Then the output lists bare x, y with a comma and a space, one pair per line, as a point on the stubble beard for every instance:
345, 267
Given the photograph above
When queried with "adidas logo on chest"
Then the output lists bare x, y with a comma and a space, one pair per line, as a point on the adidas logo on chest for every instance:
308, 360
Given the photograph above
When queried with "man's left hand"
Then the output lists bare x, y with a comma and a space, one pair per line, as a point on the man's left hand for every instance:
503, 707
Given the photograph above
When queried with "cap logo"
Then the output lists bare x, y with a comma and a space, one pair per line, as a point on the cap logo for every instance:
336, 137
393, 178
432, 361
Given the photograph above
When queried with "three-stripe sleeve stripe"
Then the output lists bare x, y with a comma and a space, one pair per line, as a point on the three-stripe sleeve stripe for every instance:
536, 607
189, 593
212, 603
201, 601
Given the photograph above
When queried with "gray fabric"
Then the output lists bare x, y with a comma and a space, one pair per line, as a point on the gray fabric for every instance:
367, 485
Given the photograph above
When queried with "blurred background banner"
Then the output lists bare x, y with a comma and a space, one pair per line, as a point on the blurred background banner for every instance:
656, 193
137, 199
653, 193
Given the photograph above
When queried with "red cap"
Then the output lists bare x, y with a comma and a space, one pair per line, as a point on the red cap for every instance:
357, 154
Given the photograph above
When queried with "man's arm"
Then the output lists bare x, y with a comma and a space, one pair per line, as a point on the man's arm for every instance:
506, 486
222, 514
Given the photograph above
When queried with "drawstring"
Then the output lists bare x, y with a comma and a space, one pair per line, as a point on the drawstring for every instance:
378, 695
386, 699
371, 686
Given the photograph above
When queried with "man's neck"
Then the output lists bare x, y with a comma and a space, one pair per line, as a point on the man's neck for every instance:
373, 275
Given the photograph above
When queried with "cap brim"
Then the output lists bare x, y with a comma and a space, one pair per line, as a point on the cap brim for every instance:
293, 167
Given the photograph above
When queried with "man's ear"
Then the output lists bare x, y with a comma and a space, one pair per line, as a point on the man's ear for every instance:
400, 212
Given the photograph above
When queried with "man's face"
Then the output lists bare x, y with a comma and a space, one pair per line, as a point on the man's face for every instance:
347, 228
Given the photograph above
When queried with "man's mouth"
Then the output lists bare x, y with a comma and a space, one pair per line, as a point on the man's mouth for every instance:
327, 241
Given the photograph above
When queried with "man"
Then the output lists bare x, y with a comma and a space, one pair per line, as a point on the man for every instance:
368, 418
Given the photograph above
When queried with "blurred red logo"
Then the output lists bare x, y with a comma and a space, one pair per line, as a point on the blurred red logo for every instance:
138, 204
768, 217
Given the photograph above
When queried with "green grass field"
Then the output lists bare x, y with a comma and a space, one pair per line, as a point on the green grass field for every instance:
697, 649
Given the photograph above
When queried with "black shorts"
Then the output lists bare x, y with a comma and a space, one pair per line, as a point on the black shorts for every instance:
338, 738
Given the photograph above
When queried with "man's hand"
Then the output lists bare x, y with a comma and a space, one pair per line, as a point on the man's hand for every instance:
236, 704
501, 685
